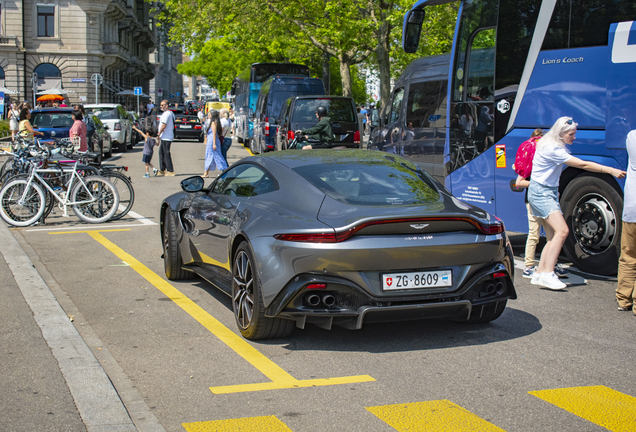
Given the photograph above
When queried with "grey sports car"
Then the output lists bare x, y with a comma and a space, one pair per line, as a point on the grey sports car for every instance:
336, 237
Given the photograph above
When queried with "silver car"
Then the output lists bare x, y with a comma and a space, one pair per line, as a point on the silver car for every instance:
336, 237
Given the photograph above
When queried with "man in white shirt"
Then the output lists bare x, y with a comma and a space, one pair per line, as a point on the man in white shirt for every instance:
166, 135
150, 106
627, 263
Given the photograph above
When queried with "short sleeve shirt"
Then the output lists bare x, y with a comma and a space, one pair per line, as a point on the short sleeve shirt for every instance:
629, 206
548, 164
168, 133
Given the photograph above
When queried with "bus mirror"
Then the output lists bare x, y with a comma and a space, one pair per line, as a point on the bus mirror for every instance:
411, 30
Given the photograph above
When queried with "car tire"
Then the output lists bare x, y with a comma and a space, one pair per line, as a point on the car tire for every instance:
110, 150
593, 247
240, 140
250, 145
172, 260
247, 301
486, 313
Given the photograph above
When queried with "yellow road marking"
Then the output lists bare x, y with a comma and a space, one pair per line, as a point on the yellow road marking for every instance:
432, 416
600, 405
280, 378
248, 424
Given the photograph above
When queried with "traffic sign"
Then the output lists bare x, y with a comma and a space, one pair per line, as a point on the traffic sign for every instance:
159, 91
34, 78
97, 79
138, 91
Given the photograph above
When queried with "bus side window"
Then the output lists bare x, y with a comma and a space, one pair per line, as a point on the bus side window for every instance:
481, 67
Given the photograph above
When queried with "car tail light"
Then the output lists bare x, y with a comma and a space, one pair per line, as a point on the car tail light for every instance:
197, 127
308, 238
356, 137
290, 135
495, 227
316, 286
267, 126
499, 275
118, 126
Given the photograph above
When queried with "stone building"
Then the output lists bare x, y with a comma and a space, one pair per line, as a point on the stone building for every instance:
67, 41
167, 82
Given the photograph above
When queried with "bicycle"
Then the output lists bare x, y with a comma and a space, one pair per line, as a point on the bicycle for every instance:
23, 201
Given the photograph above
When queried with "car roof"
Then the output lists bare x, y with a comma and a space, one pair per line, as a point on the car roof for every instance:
323, 97
102, 105
294, 159
52, 110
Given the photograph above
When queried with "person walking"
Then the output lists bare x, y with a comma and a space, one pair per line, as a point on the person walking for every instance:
149, 107
14, 120
213, 157
166, 134
226, 124
78, 131
625, 293
550, 157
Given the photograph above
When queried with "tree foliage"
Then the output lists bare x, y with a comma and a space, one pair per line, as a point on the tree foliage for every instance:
224, 37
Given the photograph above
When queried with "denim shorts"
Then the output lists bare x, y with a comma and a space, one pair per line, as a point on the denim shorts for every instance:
543, 200
146, 158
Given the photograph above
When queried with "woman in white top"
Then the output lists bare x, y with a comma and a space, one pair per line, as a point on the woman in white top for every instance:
549, 160
14, 120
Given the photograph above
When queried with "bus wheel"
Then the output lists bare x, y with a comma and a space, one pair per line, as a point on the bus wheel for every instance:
240, 140
592, 210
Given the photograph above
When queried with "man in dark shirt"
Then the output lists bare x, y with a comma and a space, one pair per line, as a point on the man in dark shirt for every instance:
321, 132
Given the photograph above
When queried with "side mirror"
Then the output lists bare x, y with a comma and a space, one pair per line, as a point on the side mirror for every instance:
411, 30
192, 184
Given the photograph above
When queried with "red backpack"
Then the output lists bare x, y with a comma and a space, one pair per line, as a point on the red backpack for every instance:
525, 154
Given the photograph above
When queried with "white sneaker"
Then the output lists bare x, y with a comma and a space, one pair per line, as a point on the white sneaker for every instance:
551, 281
535, 278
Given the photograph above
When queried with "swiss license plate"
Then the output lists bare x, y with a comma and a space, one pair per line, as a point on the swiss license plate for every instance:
411, 280
186, 126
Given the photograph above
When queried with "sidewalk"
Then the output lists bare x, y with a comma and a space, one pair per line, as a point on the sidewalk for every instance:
49, 378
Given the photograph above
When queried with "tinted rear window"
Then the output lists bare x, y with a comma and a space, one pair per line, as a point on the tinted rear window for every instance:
339, 110
104, 113
52, 120
388, 182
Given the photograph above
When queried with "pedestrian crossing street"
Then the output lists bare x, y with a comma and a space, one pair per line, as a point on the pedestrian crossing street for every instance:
600, 405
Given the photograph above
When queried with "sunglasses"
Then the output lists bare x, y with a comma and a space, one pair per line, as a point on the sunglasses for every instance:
569, 121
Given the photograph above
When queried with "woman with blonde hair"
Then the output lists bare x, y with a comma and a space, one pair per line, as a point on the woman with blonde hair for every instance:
548, 163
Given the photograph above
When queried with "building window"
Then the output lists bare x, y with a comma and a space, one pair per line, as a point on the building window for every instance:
46, 21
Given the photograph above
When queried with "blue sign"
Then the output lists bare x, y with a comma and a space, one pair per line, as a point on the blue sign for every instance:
138, 91
178, 94
1, 102
78, 79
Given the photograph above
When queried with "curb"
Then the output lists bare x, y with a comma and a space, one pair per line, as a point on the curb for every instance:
97, 401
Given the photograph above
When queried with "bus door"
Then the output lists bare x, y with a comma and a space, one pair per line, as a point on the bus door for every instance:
472, 154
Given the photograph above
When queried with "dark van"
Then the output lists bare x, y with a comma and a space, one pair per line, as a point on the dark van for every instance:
413, 123
273, 94
299, 113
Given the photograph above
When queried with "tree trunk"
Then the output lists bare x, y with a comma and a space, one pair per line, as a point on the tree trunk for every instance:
345, 74
384, 62
326, 74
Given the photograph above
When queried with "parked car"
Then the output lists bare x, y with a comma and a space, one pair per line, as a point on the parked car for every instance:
299, 113
116, 118
273, 94
340, 237
98, 135
56, 123
135, 119
188, 127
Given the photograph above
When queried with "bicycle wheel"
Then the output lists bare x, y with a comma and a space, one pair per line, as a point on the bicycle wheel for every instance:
19, 208
126, 192
6, 172
103, 198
